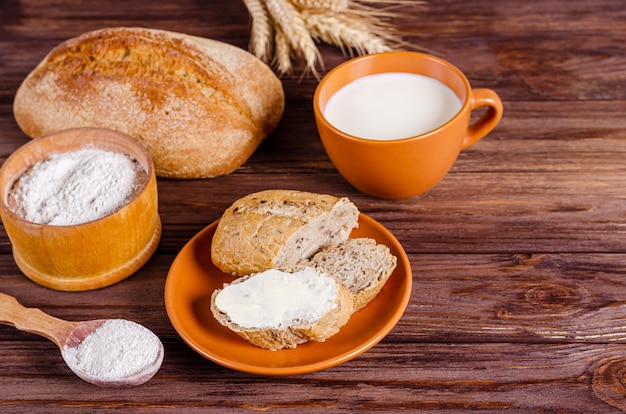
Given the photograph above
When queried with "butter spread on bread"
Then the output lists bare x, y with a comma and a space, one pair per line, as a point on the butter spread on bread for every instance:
201, 107
275, 299
275, 309
279, 228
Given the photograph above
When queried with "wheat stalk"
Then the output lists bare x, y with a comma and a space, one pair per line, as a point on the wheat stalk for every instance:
347, 33
261, 31
282, 54
289, 20
290, 29
332, 5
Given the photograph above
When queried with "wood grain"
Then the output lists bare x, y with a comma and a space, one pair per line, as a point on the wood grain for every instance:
518, 255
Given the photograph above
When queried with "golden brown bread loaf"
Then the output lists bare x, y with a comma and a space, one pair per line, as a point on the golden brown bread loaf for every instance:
278, 228
201, 107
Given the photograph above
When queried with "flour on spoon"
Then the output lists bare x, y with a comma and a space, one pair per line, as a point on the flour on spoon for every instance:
116, 350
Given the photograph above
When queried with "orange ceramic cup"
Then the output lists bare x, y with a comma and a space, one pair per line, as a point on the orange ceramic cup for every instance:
403, 168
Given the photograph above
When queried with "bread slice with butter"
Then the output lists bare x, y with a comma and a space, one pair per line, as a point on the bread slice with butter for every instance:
278, 228
275, 309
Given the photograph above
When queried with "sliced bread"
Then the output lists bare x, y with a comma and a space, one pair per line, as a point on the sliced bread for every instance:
276, 310
361, 265
279, 228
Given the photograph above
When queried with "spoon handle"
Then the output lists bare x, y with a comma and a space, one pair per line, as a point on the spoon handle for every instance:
34, 320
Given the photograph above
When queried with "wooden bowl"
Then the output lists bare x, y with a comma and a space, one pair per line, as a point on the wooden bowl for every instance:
89, 255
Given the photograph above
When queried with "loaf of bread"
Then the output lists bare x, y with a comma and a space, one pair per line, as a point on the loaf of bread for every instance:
361, 265
278, 229
275, 309
201, 107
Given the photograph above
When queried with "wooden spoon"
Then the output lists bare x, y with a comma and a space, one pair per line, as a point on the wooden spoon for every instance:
67, 335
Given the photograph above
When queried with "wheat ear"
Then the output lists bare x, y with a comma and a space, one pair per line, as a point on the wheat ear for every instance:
286, 29
261, 31
290, 22
282, 53
330, 5
346, 32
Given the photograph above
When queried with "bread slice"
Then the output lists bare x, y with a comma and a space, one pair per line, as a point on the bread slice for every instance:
201, 107
276, 310
279, 228
361, 265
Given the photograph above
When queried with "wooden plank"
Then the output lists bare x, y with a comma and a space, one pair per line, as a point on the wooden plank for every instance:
517, 378
460, 298
517, 255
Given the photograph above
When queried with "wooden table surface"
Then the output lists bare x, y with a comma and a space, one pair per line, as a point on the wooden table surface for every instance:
518, 256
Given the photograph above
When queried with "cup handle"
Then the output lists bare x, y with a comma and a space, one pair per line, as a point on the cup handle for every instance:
486, 123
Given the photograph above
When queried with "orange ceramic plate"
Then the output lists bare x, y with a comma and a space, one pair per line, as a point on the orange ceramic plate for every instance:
193, 278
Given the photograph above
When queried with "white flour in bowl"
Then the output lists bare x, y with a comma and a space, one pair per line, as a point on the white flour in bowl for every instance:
76, 187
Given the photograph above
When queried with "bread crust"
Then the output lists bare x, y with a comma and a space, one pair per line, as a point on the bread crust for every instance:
201, 107
297, 333
264, 230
